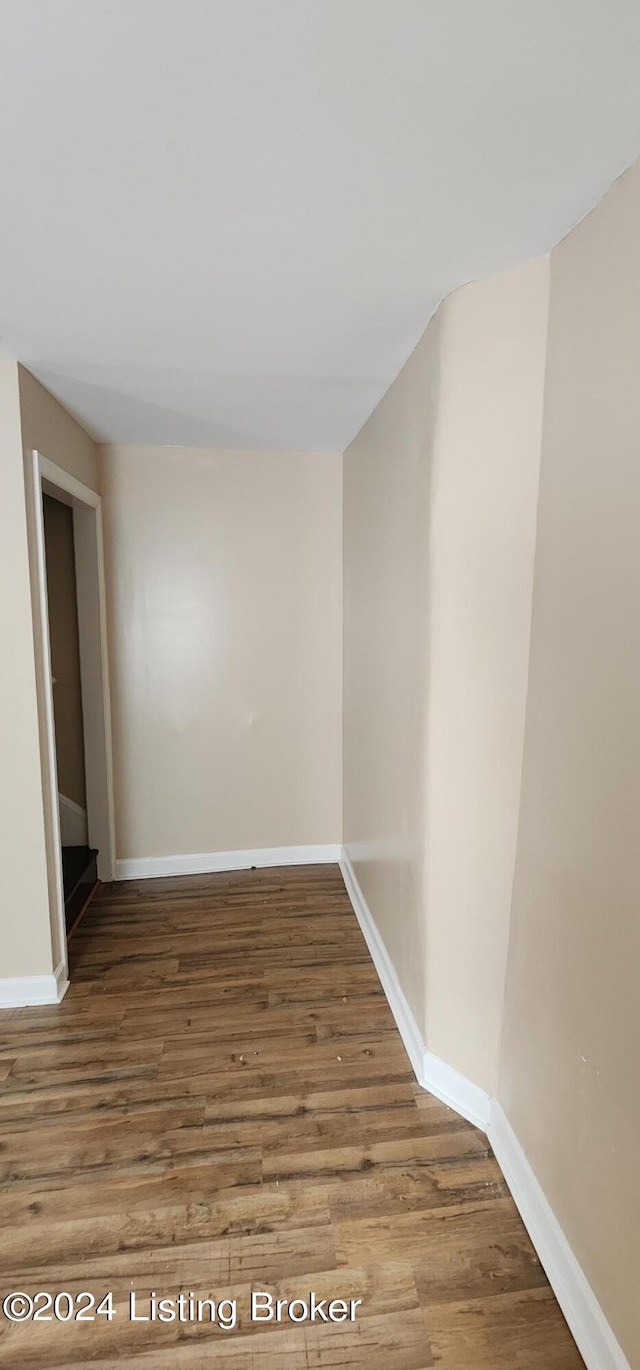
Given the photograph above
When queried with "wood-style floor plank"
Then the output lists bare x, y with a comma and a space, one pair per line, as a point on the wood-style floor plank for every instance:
222, 1103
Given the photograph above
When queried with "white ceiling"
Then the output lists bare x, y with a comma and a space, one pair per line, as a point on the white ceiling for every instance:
227, 222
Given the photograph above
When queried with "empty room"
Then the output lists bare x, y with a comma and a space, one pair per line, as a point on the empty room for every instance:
319, 684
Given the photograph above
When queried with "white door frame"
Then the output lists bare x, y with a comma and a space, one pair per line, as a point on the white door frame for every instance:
50, 479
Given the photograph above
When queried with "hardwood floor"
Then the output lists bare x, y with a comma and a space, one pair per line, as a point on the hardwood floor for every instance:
222, 1103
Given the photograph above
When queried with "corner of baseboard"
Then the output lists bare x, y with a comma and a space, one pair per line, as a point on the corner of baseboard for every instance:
31, 991
456, 1090
434, 1075
61, 981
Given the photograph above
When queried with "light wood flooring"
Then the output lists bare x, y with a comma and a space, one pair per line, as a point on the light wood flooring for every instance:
223, 1103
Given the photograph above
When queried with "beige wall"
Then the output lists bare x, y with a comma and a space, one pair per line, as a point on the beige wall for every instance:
25, 941
65, 651
52, 430
570, 1069
439, 532
29, 417
224, 608
47, 427
387, 473
484, 490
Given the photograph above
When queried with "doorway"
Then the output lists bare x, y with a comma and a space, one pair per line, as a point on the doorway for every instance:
73, 687
79, 860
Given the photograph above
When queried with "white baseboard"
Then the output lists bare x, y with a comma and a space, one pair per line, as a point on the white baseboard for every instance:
406, 1023
589, 1327
26, 991
73, 823
455, 1090
433, 1074
205, 863
593, 1336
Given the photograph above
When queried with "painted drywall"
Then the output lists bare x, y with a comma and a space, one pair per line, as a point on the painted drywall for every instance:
387, 473
25, 941
65, 651
484, 491
49, 428
45, 426
440, 491
571, 1051
224, 586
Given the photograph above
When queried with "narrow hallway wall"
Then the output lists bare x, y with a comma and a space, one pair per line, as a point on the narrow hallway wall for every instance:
439, 532
484, 493
49, 429
387, 474
571, 1053
29, 418
24, 901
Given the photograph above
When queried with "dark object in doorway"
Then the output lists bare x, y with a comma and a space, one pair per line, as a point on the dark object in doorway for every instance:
79, 879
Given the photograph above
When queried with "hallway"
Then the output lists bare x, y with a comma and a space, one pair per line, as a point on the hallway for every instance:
222, 1103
